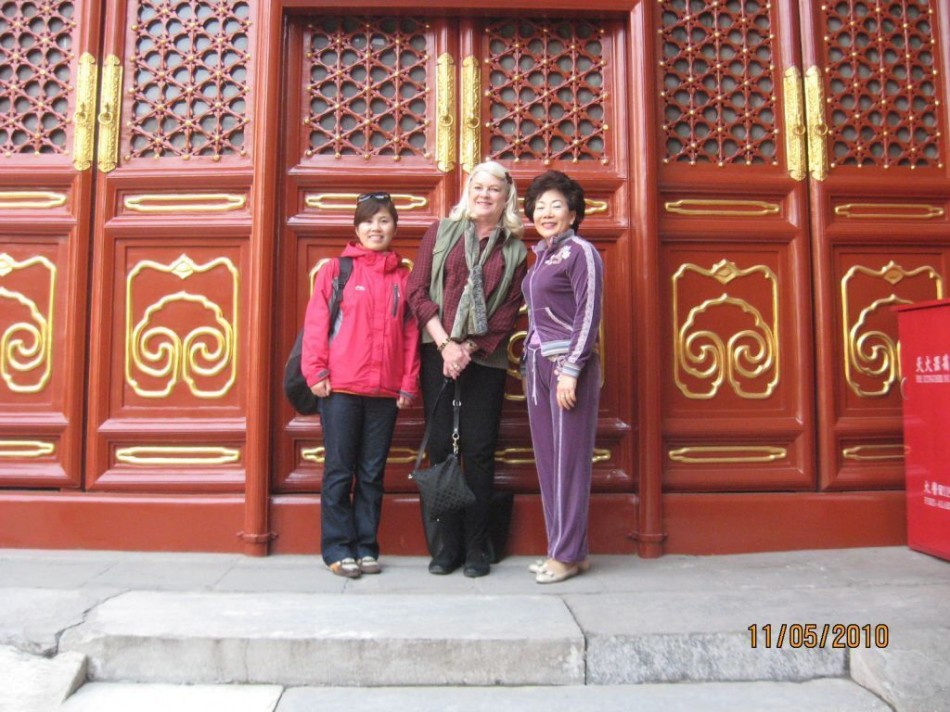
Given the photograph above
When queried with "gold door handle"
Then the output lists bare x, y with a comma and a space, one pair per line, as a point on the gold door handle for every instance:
795, 131
471, 113
110, 96
445, 127
84, 116
817, 128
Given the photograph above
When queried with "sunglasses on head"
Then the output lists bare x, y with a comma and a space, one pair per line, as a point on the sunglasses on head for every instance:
374, 196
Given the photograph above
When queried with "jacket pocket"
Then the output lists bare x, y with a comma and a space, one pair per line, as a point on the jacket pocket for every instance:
559, 322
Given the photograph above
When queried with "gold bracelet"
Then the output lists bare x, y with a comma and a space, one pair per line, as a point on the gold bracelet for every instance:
444, 343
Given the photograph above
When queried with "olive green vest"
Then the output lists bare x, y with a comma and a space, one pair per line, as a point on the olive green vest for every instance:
513, 252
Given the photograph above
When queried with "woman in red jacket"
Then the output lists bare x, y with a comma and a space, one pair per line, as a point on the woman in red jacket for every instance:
363, 368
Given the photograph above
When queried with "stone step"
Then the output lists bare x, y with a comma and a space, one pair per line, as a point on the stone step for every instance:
301, 639
814, 696
418, 639
30, 683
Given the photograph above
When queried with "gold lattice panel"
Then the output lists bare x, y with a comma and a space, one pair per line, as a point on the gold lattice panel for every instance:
719, 88
884, 107
188, 79
36, 61
547, 90
368, 87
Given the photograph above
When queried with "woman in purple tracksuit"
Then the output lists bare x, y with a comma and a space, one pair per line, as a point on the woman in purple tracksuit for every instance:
564, 292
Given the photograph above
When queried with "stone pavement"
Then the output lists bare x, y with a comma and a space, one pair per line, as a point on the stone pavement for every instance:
855, 629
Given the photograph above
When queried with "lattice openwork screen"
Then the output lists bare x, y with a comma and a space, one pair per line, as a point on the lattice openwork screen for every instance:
369, 82
882, 85
189, 79
36, 56
547, 90
718, 82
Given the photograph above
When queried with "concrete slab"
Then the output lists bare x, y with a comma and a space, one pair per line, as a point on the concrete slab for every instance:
32, 619
36, 684
911, 673
166, 572
298, 639
815, 696
681, 636
62, 570
123, 697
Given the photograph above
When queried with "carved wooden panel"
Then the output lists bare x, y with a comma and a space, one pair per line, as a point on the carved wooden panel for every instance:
734, 387
34, 370
175, 341
547, 90
188, 73
872, 281
369, 81
37, 75
884, 93
719, 82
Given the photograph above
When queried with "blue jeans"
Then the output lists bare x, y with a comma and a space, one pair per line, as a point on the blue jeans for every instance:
357, 432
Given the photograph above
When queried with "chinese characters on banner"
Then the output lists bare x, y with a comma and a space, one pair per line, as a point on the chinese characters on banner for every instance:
936, 495
932, 369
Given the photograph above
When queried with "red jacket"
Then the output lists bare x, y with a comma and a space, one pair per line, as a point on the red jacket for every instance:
375, 347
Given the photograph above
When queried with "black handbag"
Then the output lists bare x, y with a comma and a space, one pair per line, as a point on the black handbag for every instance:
442, 487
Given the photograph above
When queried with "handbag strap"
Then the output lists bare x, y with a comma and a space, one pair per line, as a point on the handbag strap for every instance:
456, 406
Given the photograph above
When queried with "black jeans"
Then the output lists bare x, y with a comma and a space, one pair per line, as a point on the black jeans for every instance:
357, 432
464, 536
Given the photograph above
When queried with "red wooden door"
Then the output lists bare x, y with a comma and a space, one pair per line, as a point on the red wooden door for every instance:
879, 193
173, 279
738, 402
47, 100
409, 104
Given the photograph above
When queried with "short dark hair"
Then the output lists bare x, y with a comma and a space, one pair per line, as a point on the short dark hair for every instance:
371, 203
563, 184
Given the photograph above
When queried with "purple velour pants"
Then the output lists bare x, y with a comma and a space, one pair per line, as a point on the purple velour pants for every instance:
563, 442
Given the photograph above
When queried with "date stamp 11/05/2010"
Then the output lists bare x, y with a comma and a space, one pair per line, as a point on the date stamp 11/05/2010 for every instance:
819, 635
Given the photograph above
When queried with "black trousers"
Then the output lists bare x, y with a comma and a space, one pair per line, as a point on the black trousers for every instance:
464, 536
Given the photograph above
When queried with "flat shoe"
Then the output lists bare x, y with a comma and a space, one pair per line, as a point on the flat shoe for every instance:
539, 565
549, 576
348, 568
476, 570
440, 569
369, 565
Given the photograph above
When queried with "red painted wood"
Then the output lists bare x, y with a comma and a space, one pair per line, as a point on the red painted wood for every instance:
296, 519
121, 522
740, 523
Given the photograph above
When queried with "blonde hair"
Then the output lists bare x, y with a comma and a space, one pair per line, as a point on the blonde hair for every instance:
510, 217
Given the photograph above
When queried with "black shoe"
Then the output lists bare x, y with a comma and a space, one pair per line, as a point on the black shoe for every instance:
476, 570
441, 569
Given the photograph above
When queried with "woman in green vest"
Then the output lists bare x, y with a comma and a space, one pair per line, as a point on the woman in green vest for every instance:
465, 290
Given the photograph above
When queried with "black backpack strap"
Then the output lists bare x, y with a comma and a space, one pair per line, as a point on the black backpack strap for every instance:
339, 282
336, 296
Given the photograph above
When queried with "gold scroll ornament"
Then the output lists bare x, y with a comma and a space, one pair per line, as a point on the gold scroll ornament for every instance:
743, 357
870, 353
26, 347
157, 351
